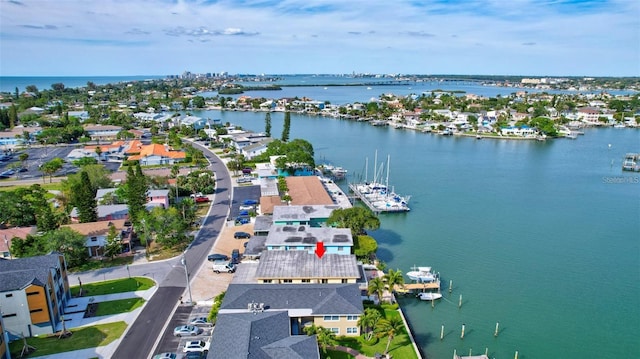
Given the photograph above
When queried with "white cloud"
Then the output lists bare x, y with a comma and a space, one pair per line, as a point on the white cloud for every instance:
489, 36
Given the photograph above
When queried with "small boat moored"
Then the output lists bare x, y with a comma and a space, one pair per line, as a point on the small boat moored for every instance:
422, 275
429, 296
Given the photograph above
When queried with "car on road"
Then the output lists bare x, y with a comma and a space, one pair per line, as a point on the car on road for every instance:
196, 346
199, 321
217, 257
186, 330
165, 356
241, 235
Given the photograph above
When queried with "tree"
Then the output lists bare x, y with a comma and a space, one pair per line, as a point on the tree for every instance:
85, 161
113, 245
51, 167
390, 328
23, 157
198, 102
364, 246
324, 336
69, 243
267, 124
136, 192
368, 321
86, 200
166, 226
356, 218
376, 286
393, 278
287, 127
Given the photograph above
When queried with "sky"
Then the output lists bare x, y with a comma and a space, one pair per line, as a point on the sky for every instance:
466, 37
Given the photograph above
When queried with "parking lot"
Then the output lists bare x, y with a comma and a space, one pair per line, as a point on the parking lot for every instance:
43, 154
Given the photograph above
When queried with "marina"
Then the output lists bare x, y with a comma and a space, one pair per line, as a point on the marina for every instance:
631, 162
379, 197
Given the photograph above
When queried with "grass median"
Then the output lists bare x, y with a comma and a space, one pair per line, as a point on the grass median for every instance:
113, 286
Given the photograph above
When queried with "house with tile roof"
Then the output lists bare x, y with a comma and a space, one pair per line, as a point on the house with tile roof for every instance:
156, 154
33, 294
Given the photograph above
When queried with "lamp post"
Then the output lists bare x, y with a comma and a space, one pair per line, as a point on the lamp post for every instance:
183, 260
146, 237
6, 241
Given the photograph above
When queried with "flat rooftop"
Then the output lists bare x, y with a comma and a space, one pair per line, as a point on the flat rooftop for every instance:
279, 264
303, 235
302, 212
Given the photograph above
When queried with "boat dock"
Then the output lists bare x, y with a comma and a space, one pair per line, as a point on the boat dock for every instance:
376, 209
418, 287
631, 162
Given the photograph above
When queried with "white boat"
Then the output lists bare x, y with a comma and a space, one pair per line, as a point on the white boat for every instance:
422, 275
429, 296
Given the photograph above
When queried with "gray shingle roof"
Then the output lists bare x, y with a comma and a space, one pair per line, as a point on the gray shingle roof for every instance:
19, 273
264, 335
320, 299
278, 264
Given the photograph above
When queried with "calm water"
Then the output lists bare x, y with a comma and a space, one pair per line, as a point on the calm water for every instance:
534, 235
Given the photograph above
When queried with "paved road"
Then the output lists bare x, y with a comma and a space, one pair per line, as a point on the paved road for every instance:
142, 336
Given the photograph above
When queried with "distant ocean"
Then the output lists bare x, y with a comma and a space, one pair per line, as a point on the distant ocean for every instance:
9, 83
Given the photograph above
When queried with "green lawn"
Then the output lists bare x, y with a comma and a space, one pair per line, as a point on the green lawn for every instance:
334, 354
114, 286
118, 306
93, 264
400, 347
82, 338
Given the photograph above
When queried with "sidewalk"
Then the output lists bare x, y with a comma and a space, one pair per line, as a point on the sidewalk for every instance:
76, 320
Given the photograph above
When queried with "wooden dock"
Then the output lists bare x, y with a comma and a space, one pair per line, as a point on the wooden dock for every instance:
417, 286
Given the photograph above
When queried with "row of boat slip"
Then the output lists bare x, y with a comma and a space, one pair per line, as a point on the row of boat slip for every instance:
378, 196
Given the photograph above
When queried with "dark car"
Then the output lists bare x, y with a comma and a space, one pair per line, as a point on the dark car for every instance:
250, 202
235, 256
216, 257
243, 220
246, 170
201, 199
241, 235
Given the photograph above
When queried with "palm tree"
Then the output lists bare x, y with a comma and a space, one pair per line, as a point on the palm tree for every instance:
326, 338
376, 285
389, 328
393, 278
368, 321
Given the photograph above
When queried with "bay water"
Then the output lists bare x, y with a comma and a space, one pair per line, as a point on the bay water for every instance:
540, 237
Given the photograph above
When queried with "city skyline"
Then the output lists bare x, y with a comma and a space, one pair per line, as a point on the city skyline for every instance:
161, 37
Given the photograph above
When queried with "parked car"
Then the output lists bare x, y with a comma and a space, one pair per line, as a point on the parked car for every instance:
243, 220
235, 256
247, 208
249, 202
246, 170
217, 257
186, 330
194, 355
165, 356
196, 346
199, 321
241, 235
201, 199
244, 179
224, 266
244, 213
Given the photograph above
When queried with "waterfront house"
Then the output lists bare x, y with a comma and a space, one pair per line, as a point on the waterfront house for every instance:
260, 334
336, 307
33, 294
96, 234
589, 115
308, 215
255, 149
301, 267
304, 238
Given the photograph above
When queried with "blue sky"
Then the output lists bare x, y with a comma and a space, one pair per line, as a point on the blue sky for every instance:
162, 37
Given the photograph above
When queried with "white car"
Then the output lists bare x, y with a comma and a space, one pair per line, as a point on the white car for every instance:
196, 346
246, 208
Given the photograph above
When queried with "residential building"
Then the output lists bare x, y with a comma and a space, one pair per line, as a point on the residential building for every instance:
300, 267
259, 334
102, 132
96, 234
304, 238
310, 215
8, 234
33, 294
158, 197
156, 154
334, 306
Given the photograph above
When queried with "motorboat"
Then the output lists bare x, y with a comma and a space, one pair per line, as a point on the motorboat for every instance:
429, 296
422, 275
